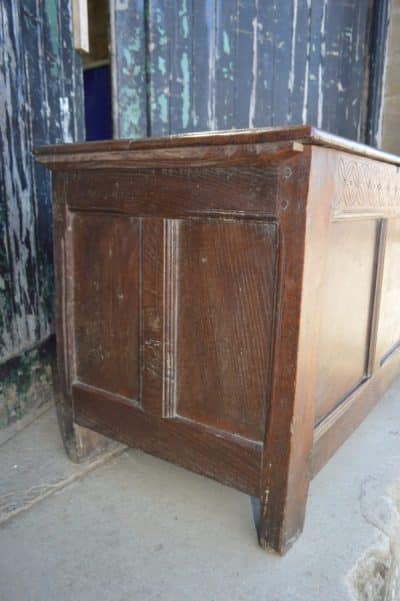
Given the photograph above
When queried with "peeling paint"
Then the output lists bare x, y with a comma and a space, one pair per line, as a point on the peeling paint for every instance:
252, 107
227, 46
65, 114
186, 90
207, 65
293, 46
40, 99
25, 383
321, 66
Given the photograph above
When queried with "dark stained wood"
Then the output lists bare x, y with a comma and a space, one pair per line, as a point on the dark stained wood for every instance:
79, 442
286, 469
228, 302
233, 460
222, 364
200, 156
177, 193
304, 134
107, 265
152, 316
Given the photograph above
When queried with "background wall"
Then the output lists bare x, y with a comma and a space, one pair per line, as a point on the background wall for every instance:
40, 102
194, 65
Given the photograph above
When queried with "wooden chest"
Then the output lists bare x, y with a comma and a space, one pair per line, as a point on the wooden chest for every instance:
227, 301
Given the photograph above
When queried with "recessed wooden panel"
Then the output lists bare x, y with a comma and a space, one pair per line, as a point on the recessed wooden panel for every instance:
389, 318
224, 297
106, 298
345, 312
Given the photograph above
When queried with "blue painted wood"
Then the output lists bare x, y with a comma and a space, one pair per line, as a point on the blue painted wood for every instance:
39, 94
317, 18
246, 46
203, 45
300, 62
226, 43
266, 56
159, 66
180, 42
240, 63
129, 67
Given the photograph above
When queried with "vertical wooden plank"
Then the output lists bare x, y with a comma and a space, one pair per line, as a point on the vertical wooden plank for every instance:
356, 77
265, 62
181, 75
283, 39
246, 63
299, 62
59, 119
17, 189
71, 81
203, 64
7, 298
39, 129
312, 109
337, 39
379, 32
129, 68
159, 66
345, 67
225, 64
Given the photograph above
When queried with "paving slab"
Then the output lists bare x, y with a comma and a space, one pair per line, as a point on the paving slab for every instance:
33, 465
138, 528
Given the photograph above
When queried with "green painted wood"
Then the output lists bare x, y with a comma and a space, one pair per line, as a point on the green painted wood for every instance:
129, 68
219, 65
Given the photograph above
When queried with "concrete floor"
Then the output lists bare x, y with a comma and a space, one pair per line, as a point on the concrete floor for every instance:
132, 527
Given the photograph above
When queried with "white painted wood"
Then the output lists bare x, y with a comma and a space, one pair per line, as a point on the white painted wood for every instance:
80, 25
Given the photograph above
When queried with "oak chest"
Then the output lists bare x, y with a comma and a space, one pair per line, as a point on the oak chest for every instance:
227, 301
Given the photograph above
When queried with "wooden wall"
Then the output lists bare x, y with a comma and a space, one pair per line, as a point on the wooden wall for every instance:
40, 102
190, 65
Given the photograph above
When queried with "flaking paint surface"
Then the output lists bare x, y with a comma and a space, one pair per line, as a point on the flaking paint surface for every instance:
218, 65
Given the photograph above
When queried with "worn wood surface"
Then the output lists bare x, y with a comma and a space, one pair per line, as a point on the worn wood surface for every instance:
238, 318
224, 269
40, 104
285, 140
190, 66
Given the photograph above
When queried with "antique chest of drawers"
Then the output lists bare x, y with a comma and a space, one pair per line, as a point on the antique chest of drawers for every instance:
227, 301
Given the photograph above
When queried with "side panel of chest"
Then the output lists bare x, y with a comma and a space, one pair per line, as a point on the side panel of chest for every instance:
169, 310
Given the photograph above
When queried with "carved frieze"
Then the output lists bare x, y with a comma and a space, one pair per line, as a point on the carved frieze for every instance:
366, 186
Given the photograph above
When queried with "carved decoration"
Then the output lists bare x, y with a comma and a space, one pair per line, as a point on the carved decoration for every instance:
366, 186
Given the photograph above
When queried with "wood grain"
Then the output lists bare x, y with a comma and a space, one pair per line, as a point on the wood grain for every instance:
226, 274
348, 288
231, 460
106, 268
236, 319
